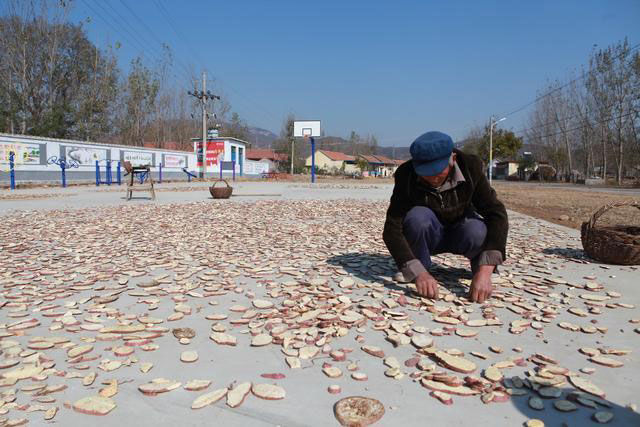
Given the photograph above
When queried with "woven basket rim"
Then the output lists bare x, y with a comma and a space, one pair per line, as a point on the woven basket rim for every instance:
608, 243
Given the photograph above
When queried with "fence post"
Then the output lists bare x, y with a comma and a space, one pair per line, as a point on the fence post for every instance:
97, 174
220, 169
63, 165
233, 167
118, 174
160, 177
109, 179
12, 172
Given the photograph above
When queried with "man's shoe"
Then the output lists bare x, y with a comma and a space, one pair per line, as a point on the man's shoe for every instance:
399, 277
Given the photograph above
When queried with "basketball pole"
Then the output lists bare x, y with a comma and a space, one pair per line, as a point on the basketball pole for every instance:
313, 159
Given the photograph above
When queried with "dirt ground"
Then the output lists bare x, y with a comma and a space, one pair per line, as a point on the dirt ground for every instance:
567, 206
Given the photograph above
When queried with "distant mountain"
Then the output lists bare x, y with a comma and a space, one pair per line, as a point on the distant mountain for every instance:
261, 138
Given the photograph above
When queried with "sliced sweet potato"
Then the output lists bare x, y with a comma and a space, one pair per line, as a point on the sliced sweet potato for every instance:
274, 376
373, 350
606, 361
236, 396
421, 341
586, 386
261, 340
602, 417
442, 387
110, 390
209, 398
94, 405
223, 339
334, 389
197, 385
158, 386
358, 411
455, 363
332, 371
442, 397
268, 391
189, 356
79, 350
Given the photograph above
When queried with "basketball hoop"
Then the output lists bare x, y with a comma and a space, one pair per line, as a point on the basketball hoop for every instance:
308, 130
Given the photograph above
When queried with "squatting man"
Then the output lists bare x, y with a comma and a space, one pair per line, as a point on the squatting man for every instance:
442, 203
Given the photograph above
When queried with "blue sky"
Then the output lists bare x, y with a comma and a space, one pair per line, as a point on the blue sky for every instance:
392, 69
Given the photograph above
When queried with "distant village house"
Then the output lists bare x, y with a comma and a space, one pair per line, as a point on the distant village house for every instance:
276, 161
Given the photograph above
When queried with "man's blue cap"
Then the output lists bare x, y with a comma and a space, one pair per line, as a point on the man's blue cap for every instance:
430, 153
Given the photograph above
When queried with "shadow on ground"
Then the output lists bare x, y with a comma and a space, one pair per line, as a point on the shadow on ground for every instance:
583, 415
368, 266
371, 266
567, 253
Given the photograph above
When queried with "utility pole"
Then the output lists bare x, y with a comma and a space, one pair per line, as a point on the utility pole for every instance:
204, 96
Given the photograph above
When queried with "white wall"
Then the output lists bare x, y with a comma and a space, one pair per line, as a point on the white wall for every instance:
255, 168
87, 153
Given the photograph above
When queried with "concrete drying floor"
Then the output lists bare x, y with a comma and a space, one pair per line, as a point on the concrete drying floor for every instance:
294, 240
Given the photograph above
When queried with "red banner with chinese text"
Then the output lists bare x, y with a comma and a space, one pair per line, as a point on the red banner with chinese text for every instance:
214, 150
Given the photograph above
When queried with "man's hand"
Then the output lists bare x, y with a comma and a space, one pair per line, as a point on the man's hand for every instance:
427, 286
481, 287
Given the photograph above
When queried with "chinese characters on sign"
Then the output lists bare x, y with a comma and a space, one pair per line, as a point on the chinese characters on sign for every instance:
172, 161
214, 150
138, 158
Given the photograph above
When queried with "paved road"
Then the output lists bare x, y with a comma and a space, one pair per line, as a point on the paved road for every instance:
86, 196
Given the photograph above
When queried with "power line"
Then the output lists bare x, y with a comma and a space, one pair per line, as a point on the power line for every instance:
581, 115
167, 17
256, 107
136, 38
152, 34
556, 89
582, 76
133, 37
585, 126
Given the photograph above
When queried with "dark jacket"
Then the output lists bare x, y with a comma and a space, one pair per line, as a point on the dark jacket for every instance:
474, 194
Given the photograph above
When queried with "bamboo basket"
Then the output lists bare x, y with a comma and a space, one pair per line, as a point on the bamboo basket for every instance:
619, 244
221, 192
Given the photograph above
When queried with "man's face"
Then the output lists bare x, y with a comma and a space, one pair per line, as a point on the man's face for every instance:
436, 181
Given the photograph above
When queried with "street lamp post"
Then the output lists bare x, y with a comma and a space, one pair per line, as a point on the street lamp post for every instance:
491, 125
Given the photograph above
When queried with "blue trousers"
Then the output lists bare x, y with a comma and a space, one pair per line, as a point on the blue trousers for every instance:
428, 236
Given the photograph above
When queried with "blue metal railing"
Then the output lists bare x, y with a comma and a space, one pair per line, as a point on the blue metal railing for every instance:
64, 165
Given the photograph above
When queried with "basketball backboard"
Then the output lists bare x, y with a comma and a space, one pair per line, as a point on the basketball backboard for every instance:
306, 128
